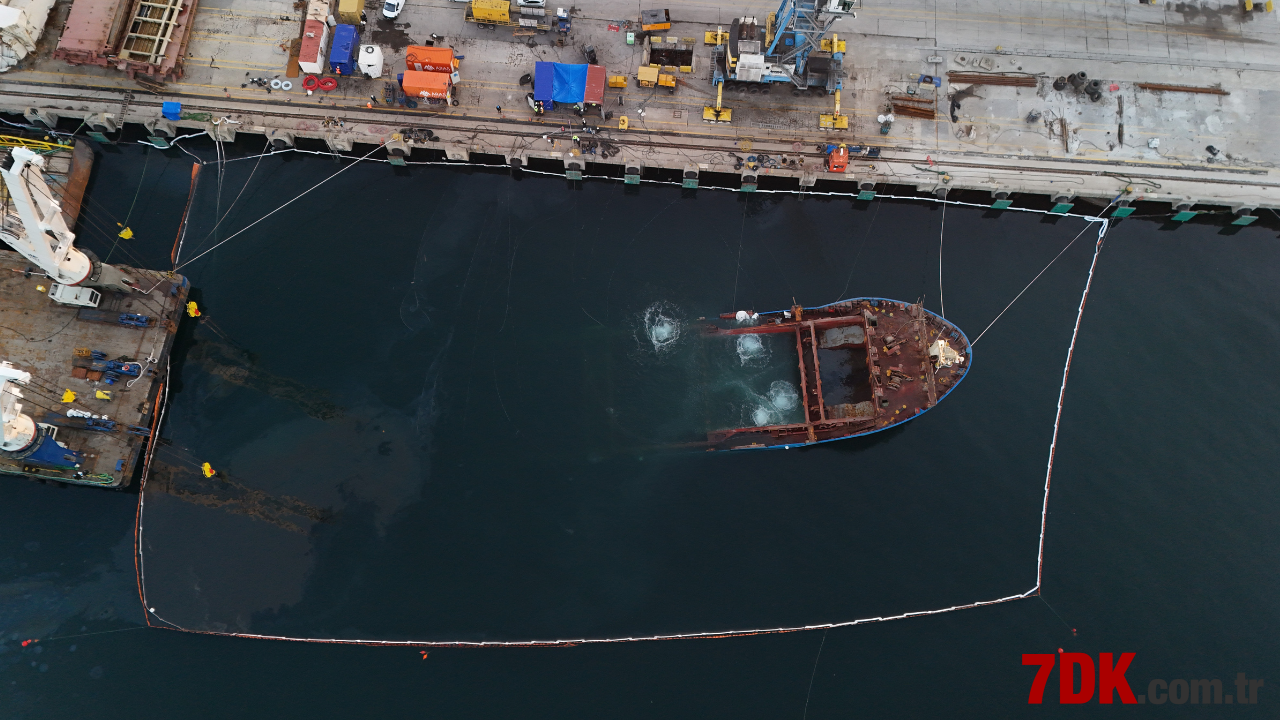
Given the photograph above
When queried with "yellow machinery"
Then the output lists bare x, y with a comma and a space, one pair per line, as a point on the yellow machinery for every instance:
834, 121
623, 123
715, 37
719, 113
491, 10
647, 76
667, 81
833, 41
349, 11
651, 20
618, 81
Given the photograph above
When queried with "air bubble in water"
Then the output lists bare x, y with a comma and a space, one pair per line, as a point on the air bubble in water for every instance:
783, 395
661, 326
761, 416
750, 348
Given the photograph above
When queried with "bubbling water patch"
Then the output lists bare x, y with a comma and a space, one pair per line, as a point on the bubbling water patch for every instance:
662, 326
783, 395
752, 350
772, 408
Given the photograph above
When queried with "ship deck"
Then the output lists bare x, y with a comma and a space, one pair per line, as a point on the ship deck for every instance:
864, 365
41, 337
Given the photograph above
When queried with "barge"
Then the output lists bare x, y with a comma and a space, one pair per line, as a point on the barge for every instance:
865, 365
84, 345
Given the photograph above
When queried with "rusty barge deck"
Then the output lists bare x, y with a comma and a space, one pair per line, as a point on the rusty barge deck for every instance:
55, 343
865, 365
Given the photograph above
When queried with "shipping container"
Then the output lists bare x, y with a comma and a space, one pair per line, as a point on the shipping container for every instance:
342, 56
429, 59
422, 84
315, 37
594, 94
491, 10
349, 12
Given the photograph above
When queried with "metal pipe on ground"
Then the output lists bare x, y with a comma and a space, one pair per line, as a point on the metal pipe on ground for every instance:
993, 79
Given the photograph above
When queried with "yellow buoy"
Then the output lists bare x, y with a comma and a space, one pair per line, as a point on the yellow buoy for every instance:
192, 309
207, 470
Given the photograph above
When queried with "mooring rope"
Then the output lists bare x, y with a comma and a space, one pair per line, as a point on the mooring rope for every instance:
1101, 232
278, 209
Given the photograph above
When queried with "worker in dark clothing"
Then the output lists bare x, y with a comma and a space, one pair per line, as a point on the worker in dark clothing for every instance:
619, 99
373, 99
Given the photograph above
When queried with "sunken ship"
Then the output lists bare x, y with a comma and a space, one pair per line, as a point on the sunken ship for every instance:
865, 365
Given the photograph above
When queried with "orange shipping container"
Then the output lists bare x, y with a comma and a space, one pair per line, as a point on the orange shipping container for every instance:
429, 59
419, 83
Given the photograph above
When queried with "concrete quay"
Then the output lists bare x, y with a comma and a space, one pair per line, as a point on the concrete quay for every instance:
1187, 151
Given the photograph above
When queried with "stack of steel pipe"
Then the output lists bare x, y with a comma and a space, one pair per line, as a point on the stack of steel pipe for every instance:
992, 79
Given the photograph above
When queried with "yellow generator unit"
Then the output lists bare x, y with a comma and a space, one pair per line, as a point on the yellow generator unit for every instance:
647, 76
491, 10
618, 81
349, 11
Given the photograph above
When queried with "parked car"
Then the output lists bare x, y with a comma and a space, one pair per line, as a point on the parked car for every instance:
531, 3
392, 9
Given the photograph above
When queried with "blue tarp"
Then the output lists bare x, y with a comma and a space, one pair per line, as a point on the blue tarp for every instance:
560, 82
571, 83
543, 81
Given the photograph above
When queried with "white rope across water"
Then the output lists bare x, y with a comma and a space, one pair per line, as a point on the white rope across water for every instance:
1104, 224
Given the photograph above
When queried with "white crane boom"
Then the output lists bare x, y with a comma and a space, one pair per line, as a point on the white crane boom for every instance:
46, 240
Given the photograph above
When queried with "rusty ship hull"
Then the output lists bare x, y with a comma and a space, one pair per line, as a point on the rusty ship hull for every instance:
865, 365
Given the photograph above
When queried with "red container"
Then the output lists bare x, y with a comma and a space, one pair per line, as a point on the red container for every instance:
422, 84
429, 59
594, 94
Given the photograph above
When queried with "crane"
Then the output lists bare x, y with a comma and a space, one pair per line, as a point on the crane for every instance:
783, 48
45, 239
21, 438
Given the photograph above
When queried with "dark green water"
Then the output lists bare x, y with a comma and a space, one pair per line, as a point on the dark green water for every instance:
441, 415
